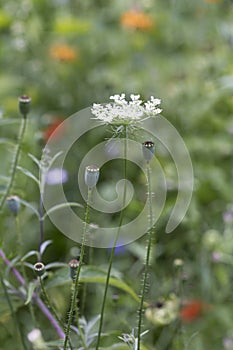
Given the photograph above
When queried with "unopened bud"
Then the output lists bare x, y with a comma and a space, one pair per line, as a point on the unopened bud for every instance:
24, 104
148, 150
73, 264
91, 176
13, 204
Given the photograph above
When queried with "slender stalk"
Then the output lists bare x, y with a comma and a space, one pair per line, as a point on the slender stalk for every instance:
41, 223
114, 243
15, 160
147, 262
76, 281
35, 297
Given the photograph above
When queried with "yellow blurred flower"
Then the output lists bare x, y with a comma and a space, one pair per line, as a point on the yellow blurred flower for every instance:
136, 20
63, 52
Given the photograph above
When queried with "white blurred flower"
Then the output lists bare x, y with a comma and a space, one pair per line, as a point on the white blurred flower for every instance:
121, 111
36, 339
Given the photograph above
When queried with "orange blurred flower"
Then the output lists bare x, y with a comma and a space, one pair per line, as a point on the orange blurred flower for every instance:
136, 20
54, 130
192, 310
63, 52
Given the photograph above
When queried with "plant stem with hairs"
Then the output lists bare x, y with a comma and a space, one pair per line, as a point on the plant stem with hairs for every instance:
76, 281
147, 262
114, 243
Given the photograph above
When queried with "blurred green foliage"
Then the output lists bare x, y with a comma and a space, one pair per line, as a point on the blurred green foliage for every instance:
68, 54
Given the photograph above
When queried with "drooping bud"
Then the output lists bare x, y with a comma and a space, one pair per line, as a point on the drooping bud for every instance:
148, 150
24, 104
13, 204
73, 264
91, 176
39, 269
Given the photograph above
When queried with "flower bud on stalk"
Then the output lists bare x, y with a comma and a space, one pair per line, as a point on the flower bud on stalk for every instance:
24, 104
39, 269
73, 264
148, 150
91, 176
13, 204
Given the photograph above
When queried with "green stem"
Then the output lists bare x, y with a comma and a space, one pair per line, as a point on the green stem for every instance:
15, 160
147, 263
114, 244
76, 282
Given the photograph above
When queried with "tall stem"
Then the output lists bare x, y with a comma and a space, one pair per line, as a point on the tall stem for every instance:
41, 222
15, 160
76, 282
147, 262
114, 243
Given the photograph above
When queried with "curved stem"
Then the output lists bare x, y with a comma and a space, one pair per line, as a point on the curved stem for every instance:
114, 244
147, 262
15, 160
76, 282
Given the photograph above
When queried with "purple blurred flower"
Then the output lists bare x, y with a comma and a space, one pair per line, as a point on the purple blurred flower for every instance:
216, 257
228, 216
228, 343
56, 176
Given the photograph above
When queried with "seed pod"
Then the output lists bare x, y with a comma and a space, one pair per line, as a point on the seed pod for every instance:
91, 176
148, 150
39, 269
24, 104
73, 264
13, 204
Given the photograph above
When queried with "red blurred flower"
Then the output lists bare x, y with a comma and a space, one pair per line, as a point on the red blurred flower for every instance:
54, 130
192, 310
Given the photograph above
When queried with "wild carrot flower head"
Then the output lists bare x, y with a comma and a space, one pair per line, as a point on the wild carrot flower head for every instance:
123, 112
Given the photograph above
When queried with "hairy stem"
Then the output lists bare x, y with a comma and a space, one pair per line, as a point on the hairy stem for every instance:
15, 161
147, 262
76, 281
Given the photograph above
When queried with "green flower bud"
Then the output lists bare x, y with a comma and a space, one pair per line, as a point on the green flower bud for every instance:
39, 269
91, 176
73, 264
13, 204
148, 150
24, 104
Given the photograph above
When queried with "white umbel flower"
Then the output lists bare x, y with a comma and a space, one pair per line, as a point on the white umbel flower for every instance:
121, 111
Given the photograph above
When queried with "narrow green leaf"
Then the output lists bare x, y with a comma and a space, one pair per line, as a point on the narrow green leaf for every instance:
31, 288
29, 205
61, 206
28, 174
35, 160
90, 274
44, 245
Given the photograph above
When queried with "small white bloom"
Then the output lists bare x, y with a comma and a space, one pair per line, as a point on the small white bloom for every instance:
121, 111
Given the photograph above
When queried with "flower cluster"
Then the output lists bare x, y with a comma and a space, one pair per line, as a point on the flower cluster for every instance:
121, 111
